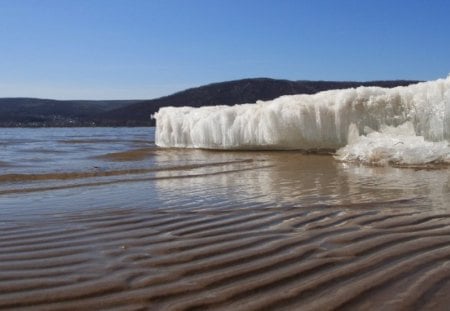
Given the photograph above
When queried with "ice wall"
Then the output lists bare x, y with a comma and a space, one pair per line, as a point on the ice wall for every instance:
326, 120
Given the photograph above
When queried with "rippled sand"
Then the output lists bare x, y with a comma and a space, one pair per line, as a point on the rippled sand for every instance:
132, 227
385, 256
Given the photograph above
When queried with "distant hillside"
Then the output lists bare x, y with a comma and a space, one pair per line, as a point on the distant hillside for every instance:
47, 112
231, 93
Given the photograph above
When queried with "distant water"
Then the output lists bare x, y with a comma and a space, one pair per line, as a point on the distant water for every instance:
55, 170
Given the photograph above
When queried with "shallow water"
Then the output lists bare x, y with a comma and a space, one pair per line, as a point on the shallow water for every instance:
102, 219
55, 170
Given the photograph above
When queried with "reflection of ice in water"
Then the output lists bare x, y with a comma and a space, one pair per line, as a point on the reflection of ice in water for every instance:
387, 183
265, 179
294, 179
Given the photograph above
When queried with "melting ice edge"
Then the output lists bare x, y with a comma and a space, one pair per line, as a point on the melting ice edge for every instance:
407, 125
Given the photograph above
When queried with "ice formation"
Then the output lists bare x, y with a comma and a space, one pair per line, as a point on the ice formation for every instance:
395, 145
362, 121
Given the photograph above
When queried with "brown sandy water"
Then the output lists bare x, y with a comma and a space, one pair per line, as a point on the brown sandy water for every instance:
122, 225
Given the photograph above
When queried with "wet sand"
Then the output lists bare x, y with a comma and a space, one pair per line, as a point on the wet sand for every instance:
109, 222
129, 155
383, 256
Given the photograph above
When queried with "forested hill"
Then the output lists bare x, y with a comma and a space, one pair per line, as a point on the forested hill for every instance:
45, 112
38, 112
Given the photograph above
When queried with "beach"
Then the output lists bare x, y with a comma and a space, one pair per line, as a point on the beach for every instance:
129, 226
365, 256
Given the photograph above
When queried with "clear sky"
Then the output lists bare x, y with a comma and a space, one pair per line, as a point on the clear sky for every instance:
131, 49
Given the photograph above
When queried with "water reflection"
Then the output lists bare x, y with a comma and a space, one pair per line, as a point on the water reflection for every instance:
296, 179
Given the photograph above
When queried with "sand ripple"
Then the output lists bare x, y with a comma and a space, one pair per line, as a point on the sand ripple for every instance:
375, 256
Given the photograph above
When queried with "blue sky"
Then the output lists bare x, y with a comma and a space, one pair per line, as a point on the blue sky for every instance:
120, 49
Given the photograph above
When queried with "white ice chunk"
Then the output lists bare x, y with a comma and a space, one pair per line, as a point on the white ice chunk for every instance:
327, 120
395, 145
